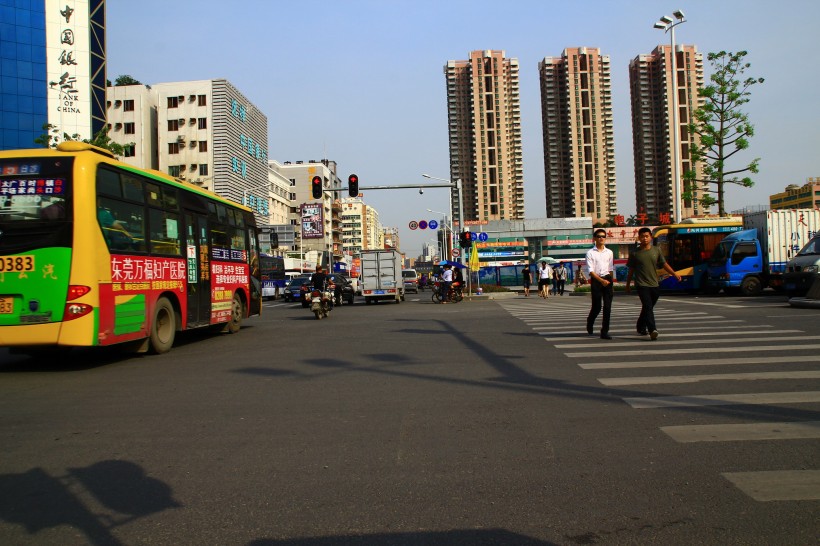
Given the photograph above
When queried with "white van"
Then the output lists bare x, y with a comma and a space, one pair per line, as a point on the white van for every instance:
411, 280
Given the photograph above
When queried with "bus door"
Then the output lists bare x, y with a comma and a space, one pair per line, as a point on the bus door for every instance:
199, 270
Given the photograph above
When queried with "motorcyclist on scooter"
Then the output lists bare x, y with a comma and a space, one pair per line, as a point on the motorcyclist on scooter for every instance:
321, 282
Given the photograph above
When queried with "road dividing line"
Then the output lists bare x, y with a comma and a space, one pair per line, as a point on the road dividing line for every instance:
796, 359
608, 348
756, 398
744, 431
778, 485
667, 379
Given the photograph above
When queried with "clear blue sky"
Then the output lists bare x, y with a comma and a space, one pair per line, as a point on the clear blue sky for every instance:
361, 82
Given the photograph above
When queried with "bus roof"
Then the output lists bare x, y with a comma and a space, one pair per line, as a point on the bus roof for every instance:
702, 225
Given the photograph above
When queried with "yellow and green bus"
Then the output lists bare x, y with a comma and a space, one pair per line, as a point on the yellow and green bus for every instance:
688, 246
95, 252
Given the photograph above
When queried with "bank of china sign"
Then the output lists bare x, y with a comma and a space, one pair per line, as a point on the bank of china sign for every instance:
68, 66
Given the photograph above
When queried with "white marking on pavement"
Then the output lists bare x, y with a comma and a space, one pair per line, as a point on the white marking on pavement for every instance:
755, 398
607, 349
796, 359
744, 431
778, 485
644, 340
661, 380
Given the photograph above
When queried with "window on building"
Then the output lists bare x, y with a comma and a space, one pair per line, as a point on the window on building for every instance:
129, 150
173, 170
173, 147
129, 128
173, 102
203, 169
202, 100
128, 105
203, 123
203, 145
173, 125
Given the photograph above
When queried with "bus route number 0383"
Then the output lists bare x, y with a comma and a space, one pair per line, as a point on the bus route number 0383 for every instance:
15, 264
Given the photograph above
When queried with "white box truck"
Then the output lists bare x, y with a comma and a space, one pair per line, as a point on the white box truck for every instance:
381, 276
750, 260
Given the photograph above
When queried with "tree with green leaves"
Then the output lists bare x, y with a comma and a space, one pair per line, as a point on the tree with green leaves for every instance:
722, 130
51, 138
125, 79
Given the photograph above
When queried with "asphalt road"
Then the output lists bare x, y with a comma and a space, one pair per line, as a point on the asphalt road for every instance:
485, 422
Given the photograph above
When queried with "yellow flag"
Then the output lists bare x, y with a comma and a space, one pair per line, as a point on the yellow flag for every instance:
473, 257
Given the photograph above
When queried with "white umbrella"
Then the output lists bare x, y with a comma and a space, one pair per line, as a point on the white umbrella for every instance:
548, 259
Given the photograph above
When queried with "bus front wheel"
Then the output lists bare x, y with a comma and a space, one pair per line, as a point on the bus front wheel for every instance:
163, 327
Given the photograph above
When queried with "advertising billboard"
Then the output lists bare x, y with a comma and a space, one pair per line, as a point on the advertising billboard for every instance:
312, 221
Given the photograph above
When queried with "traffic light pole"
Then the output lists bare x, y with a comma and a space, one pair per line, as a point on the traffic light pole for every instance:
456, 184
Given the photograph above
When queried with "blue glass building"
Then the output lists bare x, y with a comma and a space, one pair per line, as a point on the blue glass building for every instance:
24, 83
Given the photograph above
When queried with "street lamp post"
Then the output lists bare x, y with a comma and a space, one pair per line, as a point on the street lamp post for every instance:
447, 241
460, 202
668, 25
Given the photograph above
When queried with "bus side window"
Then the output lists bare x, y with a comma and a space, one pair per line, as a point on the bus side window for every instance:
123, 224
164, 232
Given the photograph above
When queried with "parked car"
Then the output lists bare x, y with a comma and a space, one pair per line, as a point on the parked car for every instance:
411, 280
293, 291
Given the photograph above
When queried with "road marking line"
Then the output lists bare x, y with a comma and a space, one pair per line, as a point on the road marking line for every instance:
701, 362
606, 348
662, 380
744, 431
631, 328
697, 400
633, 342
777, 485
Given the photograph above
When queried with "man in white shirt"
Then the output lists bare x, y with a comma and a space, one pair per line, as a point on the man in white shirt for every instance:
601, 265
446, 282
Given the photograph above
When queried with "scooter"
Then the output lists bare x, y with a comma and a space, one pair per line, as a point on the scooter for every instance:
320, 301
455, 295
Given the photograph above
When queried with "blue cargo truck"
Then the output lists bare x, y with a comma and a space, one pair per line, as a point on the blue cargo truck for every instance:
755, 258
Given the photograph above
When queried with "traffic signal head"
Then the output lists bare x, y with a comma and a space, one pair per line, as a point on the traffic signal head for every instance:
353, 185
465, 239
316, 187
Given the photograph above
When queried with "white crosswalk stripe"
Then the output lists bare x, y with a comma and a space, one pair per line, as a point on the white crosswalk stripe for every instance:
699, 340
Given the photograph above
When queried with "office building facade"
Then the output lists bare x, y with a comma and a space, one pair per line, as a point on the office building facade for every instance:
579, 148
484, 127
653, 126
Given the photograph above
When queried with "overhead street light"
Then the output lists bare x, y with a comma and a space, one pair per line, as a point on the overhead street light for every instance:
667, 25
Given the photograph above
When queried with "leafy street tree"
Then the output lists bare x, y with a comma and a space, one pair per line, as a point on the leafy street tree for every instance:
51, 138
125, 79
722, 131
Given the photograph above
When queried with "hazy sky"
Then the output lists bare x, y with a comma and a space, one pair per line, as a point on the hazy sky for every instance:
362, 82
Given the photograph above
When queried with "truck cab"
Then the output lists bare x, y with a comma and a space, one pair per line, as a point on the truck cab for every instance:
737, 263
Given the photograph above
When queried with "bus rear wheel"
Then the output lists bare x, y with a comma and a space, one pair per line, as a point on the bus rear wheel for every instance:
235, 323
163, 327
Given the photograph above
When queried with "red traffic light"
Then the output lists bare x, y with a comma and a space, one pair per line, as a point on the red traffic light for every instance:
316, 187
353, 185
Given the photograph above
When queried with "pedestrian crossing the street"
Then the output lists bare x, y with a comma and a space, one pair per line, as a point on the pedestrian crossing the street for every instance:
691, 343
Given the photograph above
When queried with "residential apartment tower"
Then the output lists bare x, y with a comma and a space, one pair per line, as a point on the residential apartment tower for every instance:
579, 149
484, 126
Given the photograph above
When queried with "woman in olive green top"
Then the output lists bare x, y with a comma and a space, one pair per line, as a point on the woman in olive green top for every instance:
643, 266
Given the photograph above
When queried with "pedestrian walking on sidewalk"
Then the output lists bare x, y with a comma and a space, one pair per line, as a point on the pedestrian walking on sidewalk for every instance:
560, 276
601, 265
526, 277
544, 280
643, 267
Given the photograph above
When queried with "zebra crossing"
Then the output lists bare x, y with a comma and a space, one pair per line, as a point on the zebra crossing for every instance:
694, 341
